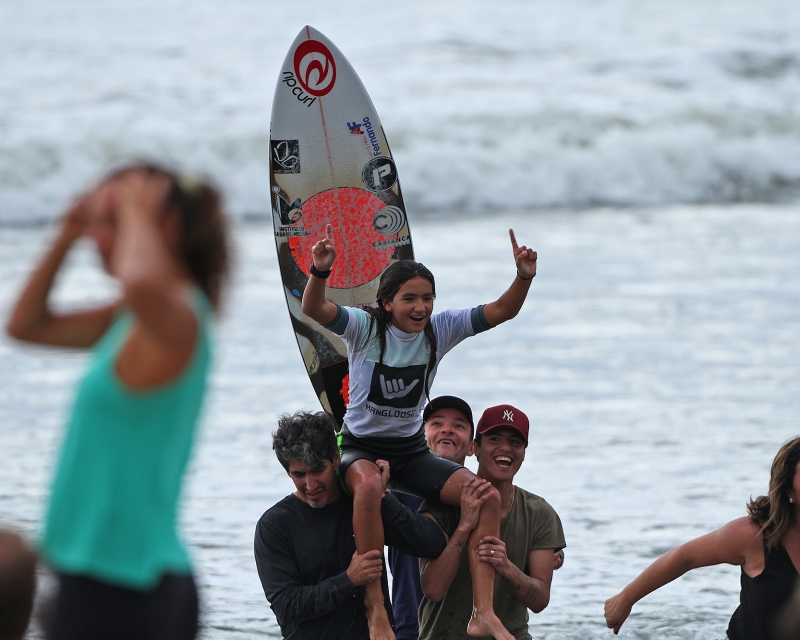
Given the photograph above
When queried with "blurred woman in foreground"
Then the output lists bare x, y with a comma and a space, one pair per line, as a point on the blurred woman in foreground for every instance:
765, 543
110, 529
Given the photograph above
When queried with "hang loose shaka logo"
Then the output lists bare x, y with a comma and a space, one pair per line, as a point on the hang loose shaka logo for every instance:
395, 388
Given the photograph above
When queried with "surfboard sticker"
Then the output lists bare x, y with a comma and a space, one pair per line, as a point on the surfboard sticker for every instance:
330, 163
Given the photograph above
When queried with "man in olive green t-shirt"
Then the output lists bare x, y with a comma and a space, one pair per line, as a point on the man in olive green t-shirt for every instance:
530, 533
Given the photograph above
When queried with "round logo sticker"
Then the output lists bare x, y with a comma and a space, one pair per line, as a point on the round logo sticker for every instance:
314, 67
379, 174
389, 220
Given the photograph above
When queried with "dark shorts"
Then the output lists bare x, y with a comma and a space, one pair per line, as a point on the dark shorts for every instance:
87, 609
413, 467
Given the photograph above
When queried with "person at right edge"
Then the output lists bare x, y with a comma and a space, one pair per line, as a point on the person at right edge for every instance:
522, 556
765, 544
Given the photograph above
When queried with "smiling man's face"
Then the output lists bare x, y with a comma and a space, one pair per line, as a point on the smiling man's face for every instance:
500, 454
449, 434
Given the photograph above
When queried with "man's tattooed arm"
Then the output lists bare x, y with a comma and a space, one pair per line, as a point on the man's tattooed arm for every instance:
532, 590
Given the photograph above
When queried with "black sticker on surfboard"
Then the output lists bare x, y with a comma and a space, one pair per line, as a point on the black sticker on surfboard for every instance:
285, 156
288, 213
379, 174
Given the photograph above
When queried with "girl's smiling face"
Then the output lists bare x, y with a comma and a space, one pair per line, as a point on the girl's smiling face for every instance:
412, 305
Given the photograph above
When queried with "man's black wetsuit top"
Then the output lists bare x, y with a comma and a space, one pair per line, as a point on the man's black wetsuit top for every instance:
302, 554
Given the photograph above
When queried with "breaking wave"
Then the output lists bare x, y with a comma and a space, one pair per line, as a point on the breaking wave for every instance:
695, 103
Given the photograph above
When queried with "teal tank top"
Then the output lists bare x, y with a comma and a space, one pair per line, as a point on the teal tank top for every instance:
113, 508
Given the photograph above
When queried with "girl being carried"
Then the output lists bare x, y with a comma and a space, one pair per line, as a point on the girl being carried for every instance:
393, 353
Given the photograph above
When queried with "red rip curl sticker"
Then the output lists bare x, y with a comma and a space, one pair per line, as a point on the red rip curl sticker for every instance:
315, 68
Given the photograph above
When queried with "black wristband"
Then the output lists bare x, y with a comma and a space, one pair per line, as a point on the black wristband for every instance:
519, 275
319, 274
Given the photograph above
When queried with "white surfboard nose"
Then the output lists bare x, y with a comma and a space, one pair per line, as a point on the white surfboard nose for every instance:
330, 163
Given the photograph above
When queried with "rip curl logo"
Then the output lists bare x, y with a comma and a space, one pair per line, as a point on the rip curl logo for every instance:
315, 68
508, 415
290, 81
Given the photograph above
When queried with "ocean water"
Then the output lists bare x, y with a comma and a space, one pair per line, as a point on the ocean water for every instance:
658, 357
503, 107
649, 151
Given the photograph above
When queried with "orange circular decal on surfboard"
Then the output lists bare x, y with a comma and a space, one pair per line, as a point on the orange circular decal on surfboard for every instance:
361, 251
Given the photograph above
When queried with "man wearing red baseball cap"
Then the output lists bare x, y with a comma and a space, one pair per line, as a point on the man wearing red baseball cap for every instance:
530, 533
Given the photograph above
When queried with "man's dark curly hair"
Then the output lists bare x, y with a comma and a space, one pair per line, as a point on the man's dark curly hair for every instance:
305, 436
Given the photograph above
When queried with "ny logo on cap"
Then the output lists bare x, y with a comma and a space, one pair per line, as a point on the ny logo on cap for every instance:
508, 415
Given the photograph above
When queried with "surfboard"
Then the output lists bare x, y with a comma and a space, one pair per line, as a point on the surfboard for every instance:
330, 163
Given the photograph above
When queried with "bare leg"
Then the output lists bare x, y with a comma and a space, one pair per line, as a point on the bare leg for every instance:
484, 621
363, 479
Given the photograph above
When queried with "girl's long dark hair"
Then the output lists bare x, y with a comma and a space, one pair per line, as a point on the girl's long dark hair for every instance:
395, 276
773, 512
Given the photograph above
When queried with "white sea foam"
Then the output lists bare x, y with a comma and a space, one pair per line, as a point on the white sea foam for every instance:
546, 104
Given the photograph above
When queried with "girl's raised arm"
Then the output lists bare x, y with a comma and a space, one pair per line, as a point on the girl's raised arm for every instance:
508, 305
314, 304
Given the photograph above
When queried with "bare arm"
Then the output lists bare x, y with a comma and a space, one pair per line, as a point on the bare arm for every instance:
32, 320
437, 575
508, 305
314, 304
533, 588
736, 543
153, 282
